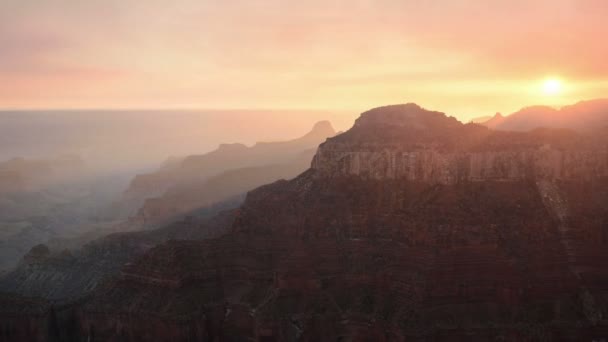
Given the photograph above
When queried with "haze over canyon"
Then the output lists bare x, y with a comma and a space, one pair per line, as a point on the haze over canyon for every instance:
409, 225
320, 170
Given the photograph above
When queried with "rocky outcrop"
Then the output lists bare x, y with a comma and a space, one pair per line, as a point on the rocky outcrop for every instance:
440, 151
429, 165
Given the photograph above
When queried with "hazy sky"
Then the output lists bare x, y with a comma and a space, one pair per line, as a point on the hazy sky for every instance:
464, 57
134, 139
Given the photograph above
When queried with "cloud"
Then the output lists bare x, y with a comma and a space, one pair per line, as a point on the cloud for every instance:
238, 53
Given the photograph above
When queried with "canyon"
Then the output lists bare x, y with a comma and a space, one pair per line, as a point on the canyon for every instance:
192, 168
185, 210
409, 226
182, 185
47, 199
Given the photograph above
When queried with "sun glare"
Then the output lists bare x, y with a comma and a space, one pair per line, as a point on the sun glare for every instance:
552, 86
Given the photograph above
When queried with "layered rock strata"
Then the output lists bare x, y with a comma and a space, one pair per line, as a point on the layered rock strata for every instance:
357, 248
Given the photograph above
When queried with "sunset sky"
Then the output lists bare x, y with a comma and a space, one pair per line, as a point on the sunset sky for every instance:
467, 58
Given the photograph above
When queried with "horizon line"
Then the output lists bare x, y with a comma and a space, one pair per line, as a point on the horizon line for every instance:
159, 109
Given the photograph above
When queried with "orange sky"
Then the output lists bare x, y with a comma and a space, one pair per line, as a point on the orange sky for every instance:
465, 57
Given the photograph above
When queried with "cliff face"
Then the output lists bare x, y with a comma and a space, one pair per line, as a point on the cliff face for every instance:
428, 147
387, 255
379, 260
429, 164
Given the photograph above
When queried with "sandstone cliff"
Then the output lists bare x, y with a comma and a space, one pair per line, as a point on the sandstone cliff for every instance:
418, 145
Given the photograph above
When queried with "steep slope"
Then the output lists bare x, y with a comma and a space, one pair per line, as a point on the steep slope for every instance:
185, 198
584, 115
65, 276
410, 226
195, 170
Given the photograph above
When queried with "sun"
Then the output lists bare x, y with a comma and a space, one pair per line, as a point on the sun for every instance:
552, 86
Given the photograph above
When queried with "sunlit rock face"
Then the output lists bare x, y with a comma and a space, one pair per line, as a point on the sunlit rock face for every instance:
408, 142
429, 165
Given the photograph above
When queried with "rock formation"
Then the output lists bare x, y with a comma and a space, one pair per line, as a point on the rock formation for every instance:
410, 226
195, 171
424, 146
191, 200
186, 199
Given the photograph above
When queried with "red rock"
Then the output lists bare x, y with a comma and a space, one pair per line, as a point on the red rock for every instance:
513, 253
